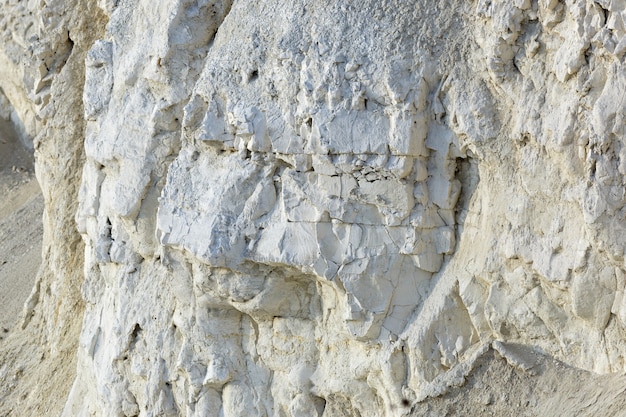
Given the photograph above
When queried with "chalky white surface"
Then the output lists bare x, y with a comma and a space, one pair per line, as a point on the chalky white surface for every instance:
328, 209
271, 200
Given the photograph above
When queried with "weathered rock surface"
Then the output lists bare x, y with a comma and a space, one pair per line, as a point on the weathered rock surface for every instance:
321, 208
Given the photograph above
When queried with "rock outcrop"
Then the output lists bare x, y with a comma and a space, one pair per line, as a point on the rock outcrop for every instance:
320, 208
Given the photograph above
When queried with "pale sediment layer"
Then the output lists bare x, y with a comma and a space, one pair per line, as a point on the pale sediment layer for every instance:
21, 207
322, 208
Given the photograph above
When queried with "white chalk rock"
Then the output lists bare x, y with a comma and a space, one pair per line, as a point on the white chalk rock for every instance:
321, 209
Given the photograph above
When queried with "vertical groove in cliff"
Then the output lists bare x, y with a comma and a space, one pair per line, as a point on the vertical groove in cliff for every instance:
52, 66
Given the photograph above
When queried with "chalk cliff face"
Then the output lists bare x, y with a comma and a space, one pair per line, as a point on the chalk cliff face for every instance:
323, 208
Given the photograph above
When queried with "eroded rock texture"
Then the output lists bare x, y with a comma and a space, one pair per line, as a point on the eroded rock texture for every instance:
335, 208
43, 45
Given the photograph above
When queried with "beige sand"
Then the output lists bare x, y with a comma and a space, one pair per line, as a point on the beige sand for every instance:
21, 207
33, 380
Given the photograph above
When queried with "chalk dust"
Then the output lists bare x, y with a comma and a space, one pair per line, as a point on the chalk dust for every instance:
21, 232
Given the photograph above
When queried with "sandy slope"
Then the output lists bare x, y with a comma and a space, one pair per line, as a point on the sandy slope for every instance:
34, 377
21, 206
549, 388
